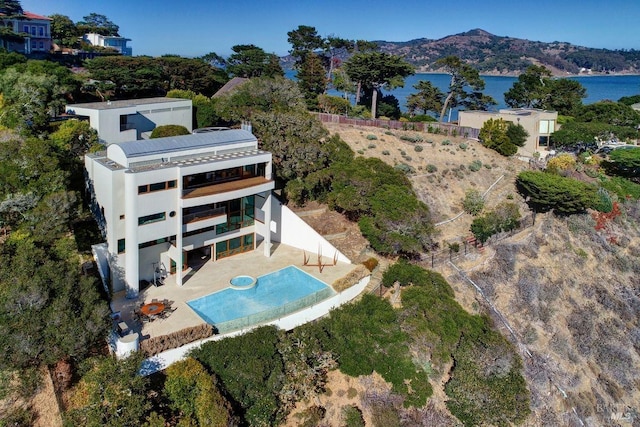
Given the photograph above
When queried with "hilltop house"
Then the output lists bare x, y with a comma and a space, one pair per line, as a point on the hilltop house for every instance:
34, 29
539, 124
133, 119
114, 42
160, 202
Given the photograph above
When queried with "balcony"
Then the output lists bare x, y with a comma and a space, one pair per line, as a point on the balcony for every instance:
208, 190
206, 218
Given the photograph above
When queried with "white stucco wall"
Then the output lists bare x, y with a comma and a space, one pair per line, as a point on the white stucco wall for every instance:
293, 231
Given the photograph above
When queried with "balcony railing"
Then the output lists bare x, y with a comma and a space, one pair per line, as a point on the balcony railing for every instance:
202, 215
217, 188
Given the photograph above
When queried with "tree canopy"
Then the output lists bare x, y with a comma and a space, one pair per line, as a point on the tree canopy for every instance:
428, 99
535, 88
463, 76
251, 61
375, 70
503, 136
97, 23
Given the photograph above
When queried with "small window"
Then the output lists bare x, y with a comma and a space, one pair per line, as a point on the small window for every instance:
157, 186
33, 31
26, 29
121, 216
172, 184
143, 189
149, 219
172, 214
41, 45
41, 32
121, 246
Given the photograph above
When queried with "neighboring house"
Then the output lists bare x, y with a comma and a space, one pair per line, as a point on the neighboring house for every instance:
540, 124
133, 119
166, 202
35, 29
230, 86
114, 42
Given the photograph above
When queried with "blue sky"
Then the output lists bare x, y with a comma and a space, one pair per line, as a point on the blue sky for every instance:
196, 27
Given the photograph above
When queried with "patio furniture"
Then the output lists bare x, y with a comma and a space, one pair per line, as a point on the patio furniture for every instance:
152, 309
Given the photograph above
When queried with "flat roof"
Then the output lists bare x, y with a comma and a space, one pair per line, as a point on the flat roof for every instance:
175, 144
123, 103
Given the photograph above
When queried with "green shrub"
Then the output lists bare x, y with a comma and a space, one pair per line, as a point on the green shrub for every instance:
432, 168
193, 393
463, 146
405, 168
385, 152
545, 191
505, 217
169, 130
411, 138
402, 152
388, 132
251, 369
352, 416
371, 146
622, 187
473, 202
371, 137
407, 158
418, 148
475, 166
360, 151
446, 142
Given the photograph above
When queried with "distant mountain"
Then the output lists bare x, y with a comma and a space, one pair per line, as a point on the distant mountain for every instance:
499, 55
492, 54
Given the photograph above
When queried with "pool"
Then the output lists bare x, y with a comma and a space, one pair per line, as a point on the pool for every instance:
274, 295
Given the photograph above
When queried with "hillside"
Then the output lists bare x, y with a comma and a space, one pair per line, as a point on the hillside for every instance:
568, 291
504, 55
492, 54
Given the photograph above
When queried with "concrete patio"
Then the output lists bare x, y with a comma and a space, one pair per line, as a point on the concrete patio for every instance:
210, 277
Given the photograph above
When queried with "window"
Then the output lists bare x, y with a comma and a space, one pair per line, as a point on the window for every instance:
121, 246
41, 32
41, 45
157, 186
26, 29
33, 31
121, 216
150, 219
123, 123
153, 242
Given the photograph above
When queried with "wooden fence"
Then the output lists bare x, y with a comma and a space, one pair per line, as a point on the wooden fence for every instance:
448, 129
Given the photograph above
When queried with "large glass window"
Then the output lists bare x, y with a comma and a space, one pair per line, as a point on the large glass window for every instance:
234, 246
149, 219
121, 246
240, 213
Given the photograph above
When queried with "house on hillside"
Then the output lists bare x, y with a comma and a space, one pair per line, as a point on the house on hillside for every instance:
31, 33
164, 201
539, 124
133, 119
114, 42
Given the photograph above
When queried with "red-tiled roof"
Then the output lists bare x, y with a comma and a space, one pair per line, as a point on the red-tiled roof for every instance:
30, 15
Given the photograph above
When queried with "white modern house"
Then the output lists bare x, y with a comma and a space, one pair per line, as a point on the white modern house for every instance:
115, 42
133, 119
539, 124
163, 202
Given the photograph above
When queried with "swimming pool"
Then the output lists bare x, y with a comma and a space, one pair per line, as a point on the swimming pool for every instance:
275, 295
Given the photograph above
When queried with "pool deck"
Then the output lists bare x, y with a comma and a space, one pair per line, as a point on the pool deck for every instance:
214, 276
